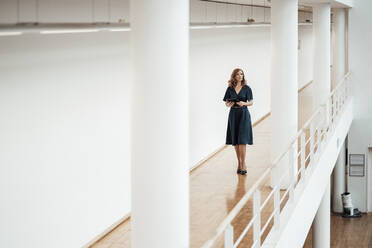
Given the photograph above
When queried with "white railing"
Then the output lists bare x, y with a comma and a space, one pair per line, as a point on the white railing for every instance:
301, 153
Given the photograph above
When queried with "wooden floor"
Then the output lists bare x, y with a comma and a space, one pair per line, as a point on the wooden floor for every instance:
215, 188
348, 233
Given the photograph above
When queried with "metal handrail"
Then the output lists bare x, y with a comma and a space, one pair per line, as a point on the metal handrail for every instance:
236, 210
310, 120
233, 213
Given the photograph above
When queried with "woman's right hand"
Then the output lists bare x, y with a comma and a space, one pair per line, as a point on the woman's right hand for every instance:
229, 104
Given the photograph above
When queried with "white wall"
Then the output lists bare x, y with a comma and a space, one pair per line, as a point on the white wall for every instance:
65, 114
214, 53
360, 52
64, 137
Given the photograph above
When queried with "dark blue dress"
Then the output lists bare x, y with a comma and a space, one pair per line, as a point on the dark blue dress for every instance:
239, 128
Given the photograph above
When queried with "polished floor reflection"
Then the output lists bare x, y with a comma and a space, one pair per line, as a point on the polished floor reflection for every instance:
215, 188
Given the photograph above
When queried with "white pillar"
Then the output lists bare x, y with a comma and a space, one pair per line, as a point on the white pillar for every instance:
322, 222
322, 52
284, 39
339, 181
339, 49
160, 173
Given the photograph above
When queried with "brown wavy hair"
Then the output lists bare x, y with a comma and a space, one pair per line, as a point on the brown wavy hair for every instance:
233, 82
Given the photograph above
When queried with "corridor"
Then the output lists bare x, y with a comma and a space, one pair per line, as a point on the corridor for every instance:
113, 125
215, 188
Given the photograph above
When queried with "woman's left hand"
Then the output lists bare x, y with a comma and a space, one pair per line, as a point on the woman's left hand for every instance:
241, 103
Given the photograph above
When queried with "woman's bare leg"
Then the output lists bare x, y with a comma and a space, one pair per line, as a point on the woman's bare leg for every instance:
238, 155
242, 151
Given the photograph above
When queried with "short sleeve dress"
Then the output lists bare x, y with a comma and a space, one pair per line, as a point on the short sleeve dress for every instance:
239, 127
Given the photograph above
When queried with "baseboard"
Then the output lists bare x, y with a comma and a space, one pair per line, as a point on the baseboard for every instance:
107, 231
305, 86
261, 119
200, 163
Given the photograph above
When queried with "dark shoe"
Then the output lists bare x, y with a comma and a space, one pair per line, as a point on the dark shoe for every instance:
239, 171
244, 171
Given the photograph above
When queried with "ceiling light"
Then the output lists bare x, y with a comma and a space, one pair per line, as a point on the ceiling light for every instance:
119, 29
68, 31
10, 33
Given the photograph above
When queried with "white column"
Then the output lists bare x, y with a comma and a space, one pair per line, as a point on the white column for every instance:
339, 49
322, 222
160, 173
322, 52
339, 181
284, 39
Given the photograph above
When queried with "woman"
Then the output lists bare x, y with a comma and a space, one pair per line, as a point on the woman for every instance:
239, 129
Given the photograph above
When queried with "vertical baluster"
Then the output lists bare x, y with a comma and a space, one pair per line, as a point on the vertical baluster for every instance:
312, 133
333, 108
343, 92
276, 173
331, 126
318, 133
303, 155
343, 88
292, 173
229, 236
345, 95
336, 106
337, 100
327, 125
337, 103
323, 125
341, 95
340, 102
257, 221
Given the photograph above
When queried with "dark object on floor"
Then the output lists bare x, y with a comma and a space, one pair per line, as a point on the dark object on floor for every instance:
356, 213
349, 210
